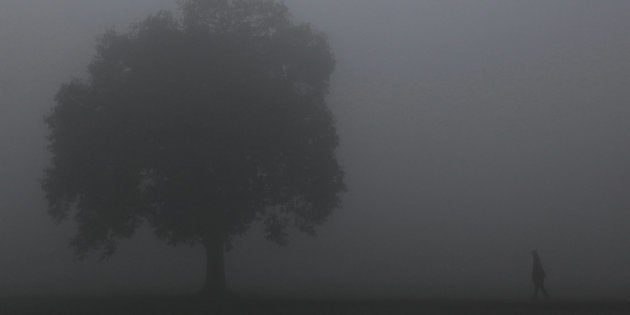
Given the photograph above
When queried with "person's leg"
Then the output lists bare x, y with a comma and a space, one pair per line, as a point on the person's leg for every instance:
536, 288
544, 291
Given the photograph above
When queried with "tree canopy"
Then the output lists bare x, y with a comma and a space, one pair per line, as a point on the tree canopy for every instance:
199, 123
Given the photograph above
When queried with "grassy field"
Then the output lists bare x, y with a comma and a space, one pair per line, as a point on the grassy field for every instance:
192, 305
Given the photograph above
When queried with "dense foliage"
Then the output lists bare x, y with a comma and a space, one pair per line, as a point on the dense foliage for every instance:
198, 123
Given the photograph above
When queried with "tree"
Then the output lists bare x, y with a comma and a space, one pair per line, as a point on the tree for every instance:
200, 124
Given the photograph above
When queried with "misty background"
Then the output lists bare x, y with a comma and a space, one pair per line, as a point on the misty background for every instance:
471, 132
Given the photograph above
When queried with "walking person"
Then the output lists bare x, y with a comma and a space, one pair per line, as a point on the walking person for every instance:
538, 277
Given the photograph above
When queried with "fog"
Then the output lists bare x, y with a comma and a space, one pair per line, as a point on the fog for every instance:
471, 132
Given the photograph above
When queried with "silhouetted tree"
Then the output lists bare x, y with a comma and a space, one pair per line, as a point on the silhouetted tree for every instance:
199, 124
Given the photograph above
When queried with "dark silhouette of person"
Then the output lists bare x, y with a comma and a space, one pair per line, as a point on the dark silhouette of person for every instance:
538, 277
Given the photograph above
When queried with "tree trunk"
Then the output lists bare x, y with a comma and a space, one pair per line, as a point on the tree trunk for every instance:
215, 285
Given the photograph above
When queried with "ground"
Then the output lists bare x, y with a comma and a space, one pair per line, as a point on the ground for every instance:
195, 305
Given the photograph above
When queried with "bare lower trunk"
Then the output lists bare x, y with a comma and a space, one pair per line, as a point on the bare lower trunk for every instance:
215, 285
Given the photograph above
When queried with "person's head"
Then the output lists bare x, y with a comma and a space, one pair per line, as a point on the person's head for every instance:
534, 252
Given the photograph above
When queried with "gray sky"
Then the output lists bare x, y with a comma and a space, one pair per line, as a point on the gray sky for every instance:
472, 132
